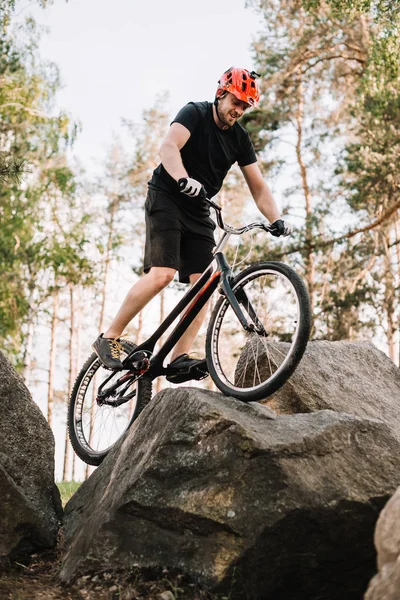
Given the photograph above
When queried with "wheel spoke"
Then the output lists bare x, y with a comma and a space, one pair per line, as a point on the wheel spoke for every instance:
246, 363
95, 427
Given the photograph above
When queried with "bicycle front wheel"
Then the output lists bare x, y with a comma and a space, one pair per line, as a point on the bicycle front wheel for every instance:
252, 365
96, 425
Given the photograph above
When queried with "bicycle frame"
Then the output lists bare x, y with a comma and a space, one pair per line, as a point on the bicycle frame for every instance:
218, 271
193, 301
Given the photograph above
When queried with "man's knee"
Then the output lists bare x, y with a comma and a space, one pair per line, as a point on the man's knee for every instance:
161, 276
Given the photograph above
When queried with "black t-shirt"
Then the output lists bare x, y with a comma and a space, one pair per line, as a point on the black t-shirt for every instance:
208, 154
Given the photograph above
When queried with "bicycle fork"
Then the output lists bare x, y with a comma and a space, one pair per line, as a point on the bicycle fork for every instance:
238, 298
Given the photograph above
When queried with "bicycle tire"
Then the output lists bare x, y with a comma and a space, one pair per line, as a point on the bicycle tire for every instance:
269, 349
77, 423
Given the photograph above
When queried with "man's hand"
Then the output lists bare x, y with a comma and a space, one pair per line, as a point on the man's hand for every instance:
191, 187
281, 227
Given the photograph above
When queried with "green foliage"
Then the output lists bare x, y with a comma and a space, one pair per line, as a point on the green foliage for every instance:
67, 490
7, 7
330, 77
42, 226
369, 168
381, 10
11, 169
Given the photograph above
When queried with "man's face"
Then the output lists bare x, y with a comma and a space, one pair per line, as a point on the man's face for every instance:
230, 109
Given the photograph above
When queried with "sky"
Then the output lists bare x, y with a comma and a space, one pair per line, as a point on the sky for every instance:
115, 57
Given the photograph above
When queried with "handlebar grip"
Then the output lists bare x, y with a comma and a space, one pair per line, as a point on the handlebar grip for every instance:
202, 195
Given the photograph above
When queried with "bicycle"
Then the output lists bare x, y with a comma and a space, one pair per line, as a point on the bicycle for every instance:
256, 336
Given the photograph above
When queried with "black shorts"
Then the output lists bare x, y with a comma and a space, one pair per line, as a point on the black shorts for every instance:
175, 237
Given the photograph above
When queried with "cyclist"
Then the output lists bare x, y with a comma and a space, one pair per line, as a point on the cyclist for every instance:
203, 142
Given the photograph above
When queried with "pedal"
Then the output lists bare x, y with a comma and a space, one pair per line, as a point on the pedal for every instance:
200, 377
191, 374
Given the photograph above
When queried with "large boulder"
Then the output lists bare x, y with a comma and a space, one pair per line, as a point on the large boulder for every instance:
386, 584
30, 506
352, 377
238, 498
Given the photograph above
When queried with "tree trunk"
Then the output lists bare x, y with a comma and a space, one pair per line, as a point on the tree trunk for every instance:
50, 388
70, 378
397, 246
107, 262
390, 298
77, 363
309, 258
27, 357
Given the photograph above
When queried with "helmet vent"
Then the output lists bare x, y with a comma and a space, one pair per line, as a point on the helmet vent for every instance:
241, 83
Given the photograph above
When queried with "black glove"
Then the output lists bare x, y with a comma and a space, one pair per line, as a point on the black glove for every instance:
191, 187
280, 227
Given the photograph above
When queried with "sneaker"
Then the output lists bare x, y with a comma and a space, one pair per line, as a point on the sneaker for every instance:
184, 368
108, 350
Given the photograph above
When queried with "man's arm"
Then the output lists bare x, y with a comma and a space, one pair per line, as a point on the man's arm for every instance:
170, 153
260, 192
171, 159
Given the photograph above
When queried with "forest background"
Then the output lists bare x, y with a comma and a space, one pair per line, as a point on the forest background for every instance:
327, 135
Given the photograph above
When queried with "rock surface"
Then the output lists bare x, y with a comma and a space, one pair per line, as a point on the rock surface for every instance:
386, 584
30, 506
352, 377
239, 499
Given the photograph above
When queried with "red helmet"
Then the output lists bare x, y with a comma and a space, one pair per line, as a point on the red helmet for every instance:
242, 84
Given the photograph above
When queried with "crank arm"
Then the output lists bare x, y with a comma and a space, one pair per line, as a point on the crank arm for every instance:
102, 394
119, 402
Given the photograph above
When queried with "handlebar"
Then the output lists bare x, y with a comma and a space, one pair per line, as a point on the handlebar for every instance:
228, 228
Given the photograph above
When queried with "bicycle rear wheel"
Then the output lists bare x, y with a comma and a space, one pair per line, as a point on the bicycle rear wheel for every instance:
95, 426
253, 365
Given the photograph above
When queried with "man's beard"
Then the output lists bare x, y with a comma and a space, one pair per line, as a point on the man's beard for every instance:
226, 119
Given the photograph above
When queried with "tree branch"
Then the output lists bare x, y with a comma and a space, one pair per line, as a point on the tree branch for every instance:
332, 57
31, 111
354, 47
384, 217
323, 243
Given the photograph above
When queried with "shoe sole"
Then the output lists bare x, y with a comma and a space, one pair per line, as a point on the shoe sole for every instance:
187, 376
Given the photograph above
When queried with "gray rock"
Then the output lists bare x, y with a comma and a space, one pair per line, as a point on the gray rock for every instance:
386, 584
166, 596
387, 532
30, 506
352, 377
281, 507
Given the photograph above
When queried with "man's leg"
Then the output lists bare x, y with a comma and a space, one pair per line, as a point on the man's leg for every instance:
140, 294
185, 343
107, 346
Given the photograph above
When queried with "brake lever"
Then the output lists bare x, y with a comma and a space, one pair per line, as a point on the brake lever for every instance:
214, 205
267, 228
